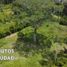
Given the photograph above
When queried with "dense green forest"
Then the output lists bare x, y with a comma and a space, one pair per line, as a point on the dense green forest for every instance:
36, 30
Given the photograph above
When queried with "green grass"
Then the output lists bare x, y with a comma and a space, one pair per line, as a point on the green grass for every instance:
23, 62
53, 28
48, 29
20, 61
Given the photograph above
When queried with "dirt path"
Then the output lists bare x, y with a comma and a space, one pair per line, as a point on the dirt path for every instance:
12, 35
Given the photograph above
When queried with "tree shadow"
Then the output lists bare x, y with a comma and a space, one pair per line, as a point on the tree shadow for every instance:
25, 44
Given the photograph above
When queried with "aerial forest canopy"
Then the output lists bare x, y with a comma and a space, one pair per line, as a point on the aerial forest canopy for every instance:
36, 30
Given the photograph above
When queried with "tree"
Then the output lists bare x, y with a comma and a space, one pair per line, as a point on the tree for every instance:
36, 21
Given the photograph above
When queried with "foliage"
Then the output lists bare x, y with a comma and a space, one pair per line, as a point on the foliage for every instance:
42, 32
